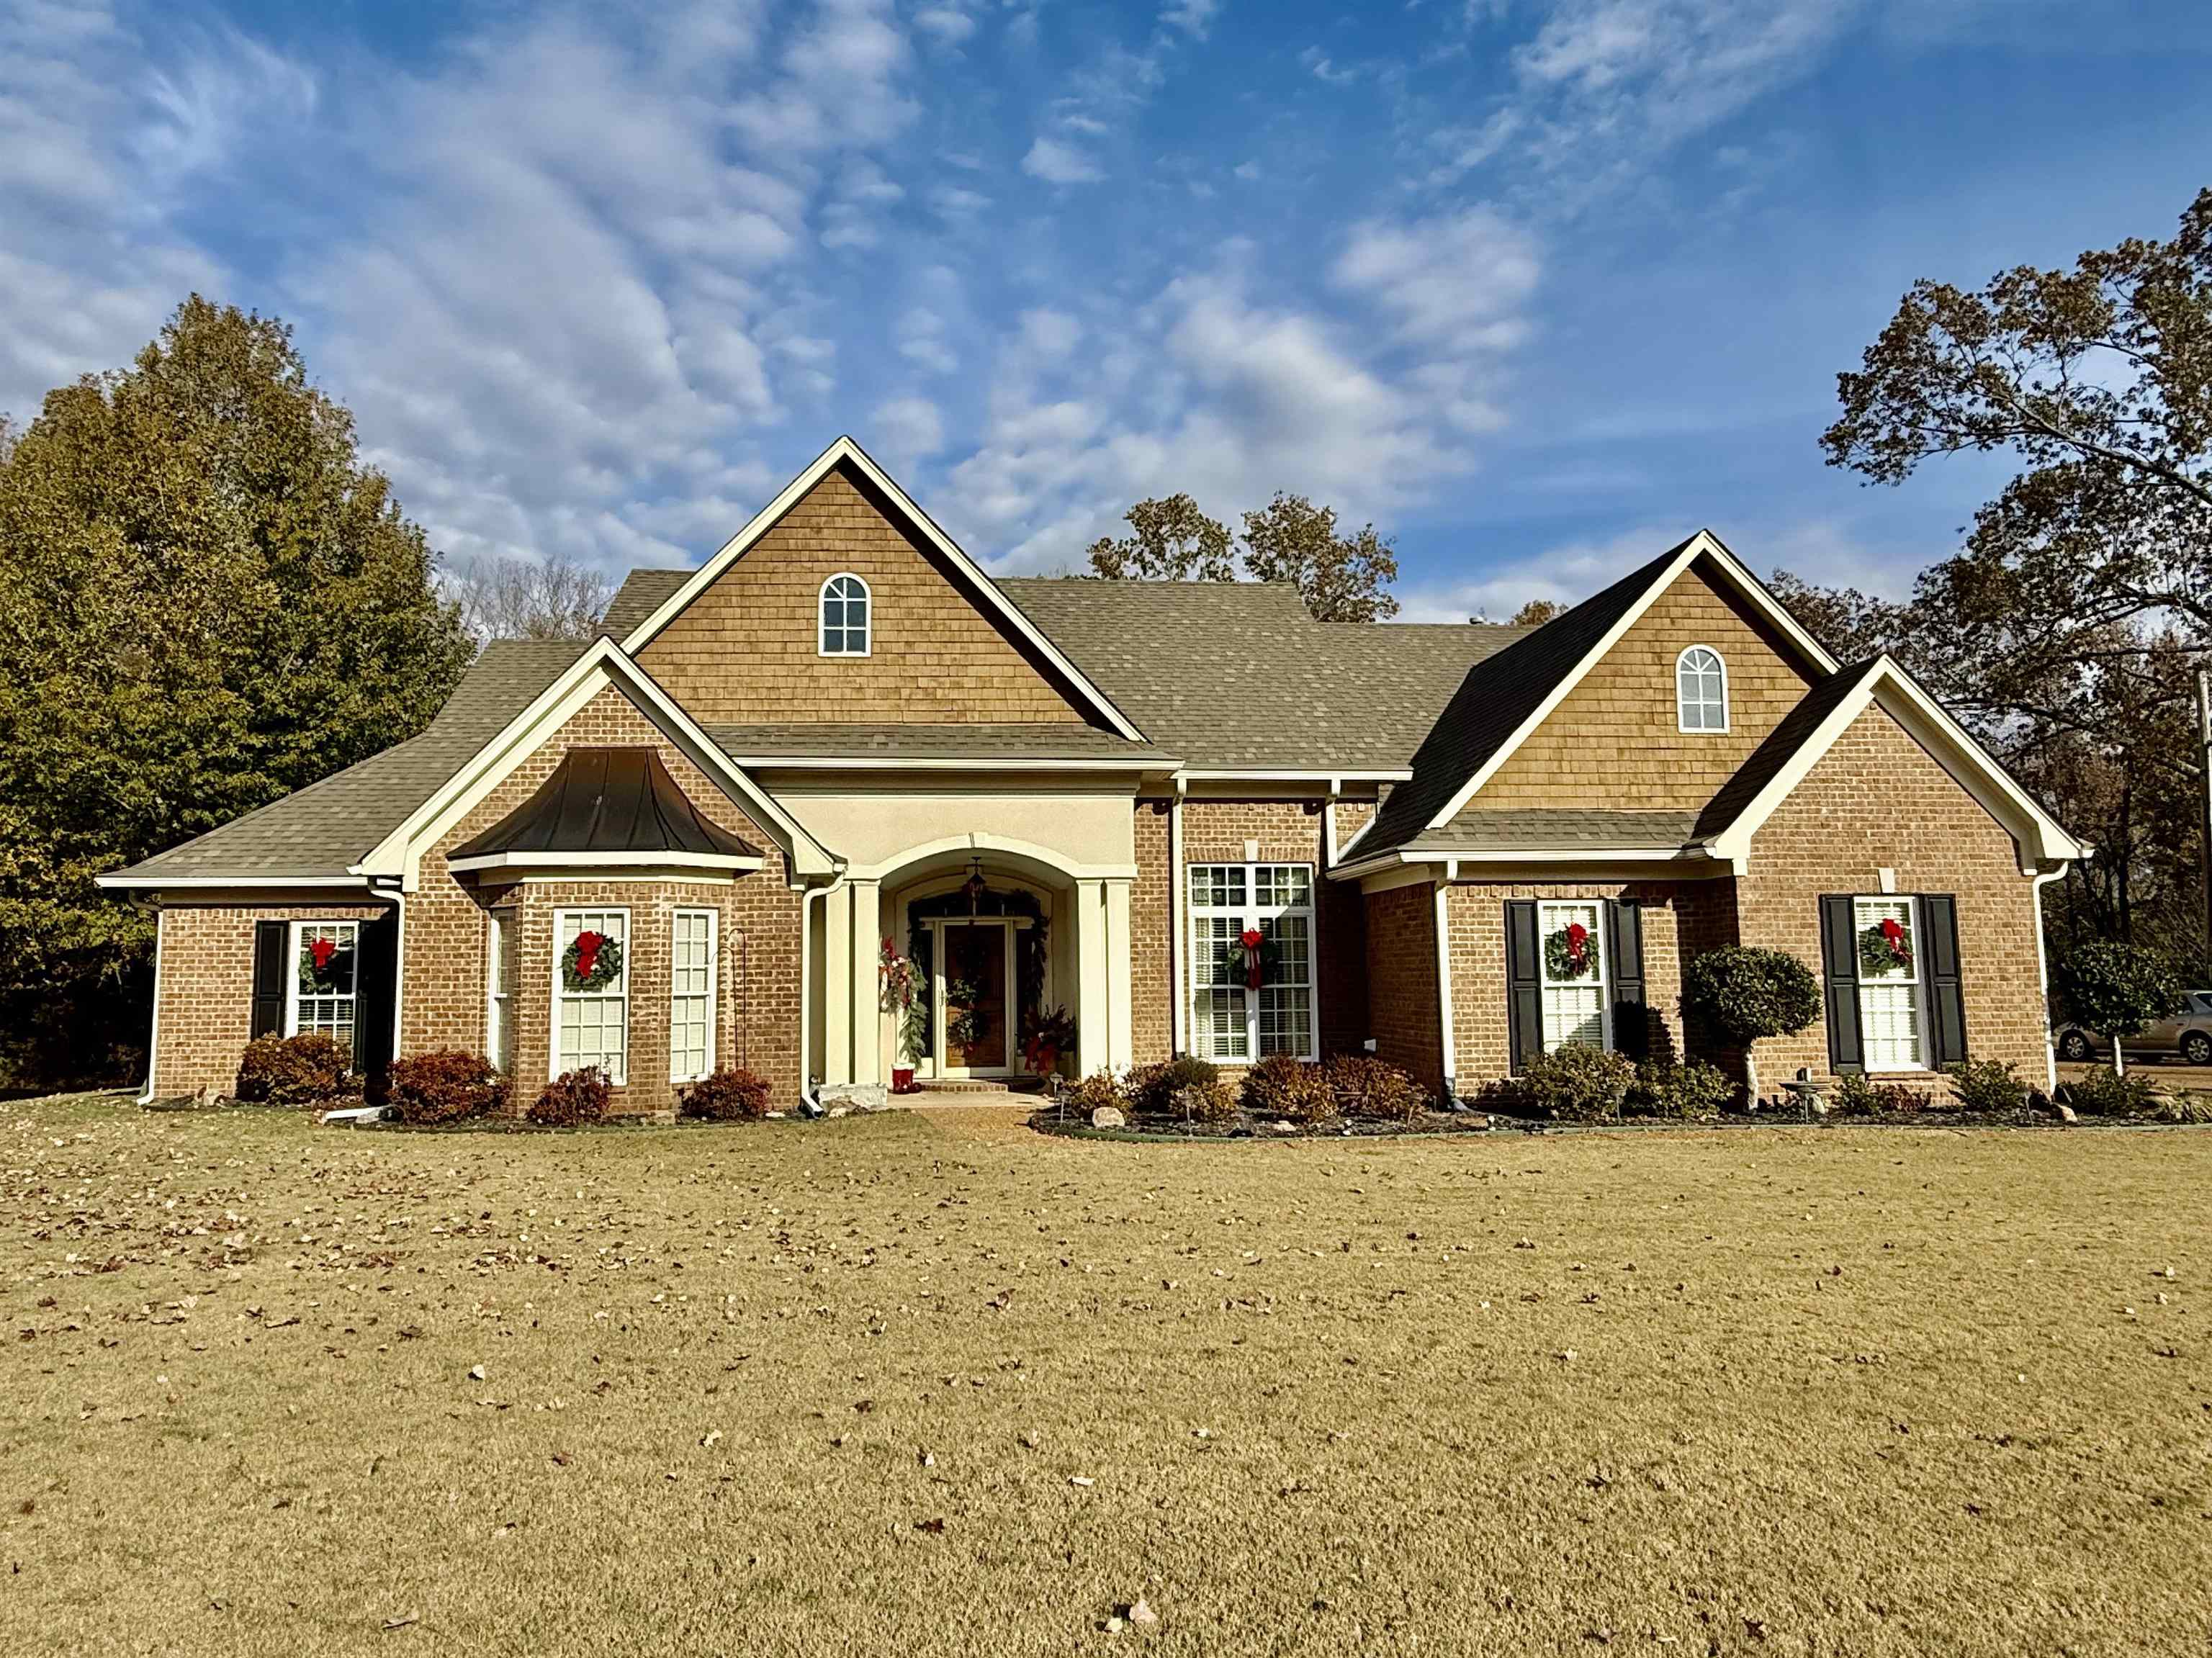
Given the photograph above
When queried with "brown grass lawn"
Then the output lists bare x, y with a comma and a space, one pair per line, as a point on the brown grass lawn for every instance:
889, 1384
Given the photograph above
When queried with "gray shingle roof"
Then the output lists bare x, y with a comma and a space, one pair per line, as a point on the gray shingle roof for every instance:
642, 592
1061, 741
322, 829
1560, 828
1788, 735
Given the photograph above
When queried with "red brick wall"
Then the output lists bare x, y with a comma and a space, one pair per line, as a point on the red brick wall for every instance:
1152, 938
1875, 801
446, 937
203, 1005
1400, 959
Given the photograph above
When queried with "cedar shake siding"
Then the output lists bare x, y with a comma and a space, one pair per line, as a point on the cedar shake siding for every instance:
203, 1005
746, 650
447, 937
1612, 740
1878, 800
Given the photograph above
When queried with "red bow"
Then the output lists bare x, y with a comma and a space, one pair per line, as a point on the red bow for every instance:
1894, 935
1578, 945
321, 952
1251, 940
587, 951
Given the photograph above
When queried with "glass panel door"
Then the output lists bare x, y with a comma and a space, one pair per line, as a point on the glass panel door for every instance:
974, 989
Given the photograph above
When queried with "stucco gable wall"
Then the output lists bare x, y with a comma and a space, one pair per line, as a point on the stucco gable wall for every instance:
745, 652
1613, 744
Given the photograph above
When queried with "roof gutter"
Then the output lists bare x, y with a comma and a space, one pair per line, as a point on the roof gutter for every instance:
139, 879
1402, 857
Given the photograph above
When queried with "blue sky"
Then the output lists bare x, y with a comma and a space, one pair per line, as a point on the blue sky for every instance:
1536, 285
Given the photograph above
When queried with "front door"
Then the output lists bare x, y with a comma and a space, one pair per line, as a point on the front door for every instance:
973, 1037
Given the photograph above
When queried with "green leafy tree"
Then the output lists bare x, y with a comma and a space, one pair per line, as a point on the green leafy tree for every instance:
206, 601
2117, 991
1745, 994
1341, 578
1171, 541
2067, 628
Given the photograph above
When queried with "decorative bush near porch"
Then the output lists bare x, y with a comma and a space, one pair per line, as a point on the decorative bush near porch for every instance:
1911, 1392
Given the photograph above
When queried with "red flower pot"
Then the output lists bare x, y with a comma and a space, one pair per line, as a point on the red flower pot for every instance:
902, 1079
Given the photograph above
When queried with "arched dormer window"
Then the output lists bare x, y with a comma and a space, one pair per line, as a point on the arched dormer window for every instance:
844, 615
1700, 690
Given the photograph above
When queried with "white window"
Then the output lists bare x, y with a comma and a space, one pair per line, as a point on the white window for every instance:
1575, 976
1701, 690
1890, 1016
691, 996
593, 1021
845, 619
323, 981
499, 983
1230, 1020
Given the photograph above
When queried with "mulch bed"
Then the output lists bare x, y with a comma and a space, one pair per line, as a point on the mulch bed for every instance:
1047, 1120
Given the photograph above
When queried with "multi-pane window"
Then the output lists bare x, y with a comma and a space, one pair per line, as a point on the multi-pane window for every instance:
1230, 1020
691, 996
845, 616
1890, 1022
593, 1020
499, 979
1574, 975
1701, 690
324, 980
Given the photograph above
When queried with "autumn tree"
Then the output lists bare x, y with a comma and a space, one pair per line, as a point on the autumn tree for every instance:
2067, 628
1536, 612
554, 598
207, 601
1342, 578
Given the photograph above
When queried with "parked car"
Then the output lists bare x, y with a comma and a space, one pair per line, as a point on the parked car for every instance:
2188, 1034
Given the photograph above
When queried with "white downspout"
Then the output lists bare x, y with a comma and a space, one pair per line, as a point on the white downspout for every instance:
806, 898
2042, 980
153, 1035
1444, 977
398, 964
1176, 945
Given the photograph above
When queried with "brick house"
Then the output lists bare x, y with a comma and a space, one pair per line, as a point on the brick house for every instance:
1460, 845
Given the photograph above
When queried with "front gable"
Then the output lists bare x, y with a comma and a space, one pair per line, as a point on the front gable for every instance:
741, 643
1615, 741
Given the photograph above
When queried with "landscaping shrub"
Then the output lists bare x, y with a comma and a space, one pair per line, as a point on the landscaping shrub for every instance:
1989, 1088
1088, 1094
1741, 994
1576, 1083
572, 1097
2102, 1092
1291, 1090
445, 1086
1691, 1091
1152, 1089
732, 1094
307, 1070
1374, 1089
1853, 1096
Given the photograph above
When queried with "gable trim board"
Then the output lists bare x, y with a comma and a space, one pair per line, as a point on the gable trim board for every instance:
1702, 544
846, 452
398, 856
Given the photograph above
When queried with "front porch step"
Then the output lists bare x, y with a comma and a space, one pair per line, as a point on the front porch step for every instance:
977, 1085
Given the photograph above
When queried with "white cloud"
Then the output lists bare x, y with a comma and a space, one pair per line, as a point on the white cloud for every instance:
1192, 17
949, 24
1566, 574
905, 430
1459, 281
1058, 163
923, 340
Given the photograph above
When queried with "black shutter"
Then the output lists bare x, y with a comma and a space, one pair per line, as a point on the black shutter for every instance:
1624, 949
1946, 1007
376, 990
269, 978
1524, 1000
1839, 953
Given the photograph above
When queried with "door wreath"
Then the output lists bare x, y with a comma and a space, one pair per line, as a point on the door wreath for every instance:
591, 962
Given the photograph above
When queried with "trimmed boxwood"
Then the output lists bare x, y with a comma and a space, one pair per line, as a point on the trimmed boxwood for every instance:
445, 1086
732, 1094
572, 1097
309, 1070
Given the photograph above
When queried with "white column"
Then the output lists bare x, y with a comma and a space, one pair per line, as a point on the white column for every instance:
837, 985
865, 902
1120, 1024
1094, 1029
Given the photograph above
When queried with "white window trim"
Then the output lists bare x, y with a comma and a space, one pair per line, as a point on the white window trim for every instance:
821, 597
714, 987
553, 1008
1252, 914
1545, 909
1917, 920
1680, 709
292, 937
499, 951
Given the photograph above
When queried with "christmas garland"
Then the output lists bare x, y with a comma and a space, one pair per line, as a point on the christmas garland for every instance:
317, 958
591, 962
1883, 950
1568, 953
1250, 956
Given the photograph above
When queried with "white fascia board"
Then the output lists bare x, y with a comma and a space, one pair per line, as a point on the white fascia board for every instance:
2042, 839
1697, 861
845, 450
1295, 774
882, 762
1702, 544
124, 880
397, 855
720, 861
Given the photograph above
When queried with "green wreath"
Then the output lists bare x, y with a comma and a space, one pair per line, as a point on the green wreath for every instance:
1883, 950
965, 1025
591, 962
320, 962
1235, 967
1567, 957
